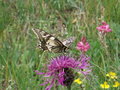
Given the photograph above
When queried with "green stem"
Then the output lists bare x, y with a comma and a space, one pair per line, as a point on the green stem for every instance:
69, 87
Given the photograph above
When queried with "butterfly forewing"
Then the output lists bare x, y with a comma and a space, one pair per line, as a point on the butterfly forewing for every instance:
41, 42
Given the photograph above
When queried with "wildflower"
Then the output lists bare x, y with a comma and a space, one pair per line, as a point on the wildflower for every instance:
83, 45
60, 70
117, 84
78, 81
104, 28
112, 75
105, 85
85, 66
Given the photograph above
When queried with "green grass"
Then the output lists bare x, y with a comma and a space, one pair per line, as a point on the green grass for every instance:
19, 56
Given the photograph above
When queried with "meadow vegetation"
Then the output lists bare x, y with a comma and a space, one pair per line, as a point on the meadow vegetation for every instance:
19, 56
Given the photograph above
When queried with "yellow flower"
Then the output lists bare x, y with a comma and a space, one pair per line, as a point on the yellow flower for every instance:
105, 85
117, 84
112, 75
78, 81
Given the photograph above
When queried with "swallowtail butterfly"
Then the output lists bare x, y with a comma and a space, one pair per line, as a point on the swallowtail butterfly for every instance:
48, 42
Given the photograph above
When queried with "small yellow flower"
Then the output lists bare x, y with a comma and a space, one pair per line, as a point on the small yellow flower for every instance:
78, 81
117, 84
105, 85
112, 75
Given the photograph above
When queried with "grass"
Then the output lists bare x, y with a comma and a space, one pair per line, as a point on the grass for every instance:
19, 56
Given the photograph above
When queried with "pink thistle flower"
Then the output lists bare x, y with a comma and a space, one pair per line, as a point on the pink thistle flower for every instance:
84, 64
104, 28
83, 45
60, 70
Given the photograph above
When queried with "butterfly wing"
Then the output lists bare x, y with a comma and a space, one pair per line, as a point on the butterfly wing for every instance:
49, 42
68, 41
41, 42
55, 45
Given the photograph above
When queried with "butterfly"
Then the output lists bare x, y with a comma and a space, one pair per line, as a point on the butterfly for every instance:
48, 42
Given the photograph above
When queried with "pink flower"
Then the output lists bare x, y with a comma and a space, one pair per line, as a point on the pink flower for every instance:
61, 70
83, 45
104, 28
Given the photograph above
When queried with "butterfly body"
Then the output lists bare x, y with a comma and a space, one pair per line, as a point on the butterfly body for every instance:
49, 42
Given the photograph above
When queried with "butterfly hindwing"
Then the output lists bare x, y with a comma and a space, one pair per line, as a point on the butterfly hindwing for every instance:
49, 42
68, 41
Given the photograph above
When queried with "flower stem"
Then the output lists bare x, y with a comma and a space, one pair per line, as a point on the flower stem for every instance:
56, 86
69, 87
